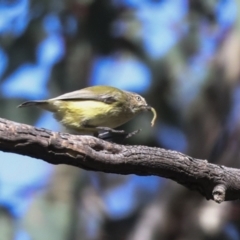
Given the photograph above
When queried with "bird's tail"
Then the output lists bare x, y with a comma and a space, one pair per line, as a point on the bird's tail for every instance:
32, 103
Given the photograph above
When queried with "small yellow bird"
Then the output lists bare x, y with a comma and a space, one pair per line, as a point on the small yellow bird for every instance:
94, 108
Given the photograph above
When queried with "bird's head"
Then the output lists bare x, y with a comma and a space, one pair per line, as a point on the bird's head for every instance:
137, 103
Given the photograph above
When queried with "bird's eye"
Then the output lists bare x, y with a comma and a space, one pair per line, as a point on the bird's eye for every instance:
139, 98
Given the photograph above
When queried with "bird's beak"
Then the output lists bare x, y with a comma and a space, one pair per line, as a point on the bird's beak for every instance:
148, 108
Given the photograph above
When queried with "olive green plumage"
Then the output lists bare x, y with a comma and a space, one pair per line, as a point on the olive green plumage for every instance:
91, 107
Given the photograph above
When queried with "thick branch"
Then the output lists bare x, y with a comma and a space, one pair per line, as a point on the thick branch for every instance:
212, 181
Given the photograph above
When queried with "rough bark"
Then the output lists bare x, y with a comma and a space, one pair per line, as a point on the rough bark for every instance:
215, 182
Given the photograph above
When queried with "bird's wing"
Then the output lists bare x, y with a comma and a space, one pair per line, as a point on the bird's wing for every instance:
97, 93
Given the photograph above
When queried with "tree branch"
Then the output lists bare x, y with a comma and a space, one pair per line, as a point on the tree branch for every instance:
212, 181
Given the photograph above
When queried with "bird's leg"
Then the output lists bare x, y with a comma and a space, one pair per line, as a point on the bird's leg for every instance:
131, 134
103, 129
110, 130
114, 135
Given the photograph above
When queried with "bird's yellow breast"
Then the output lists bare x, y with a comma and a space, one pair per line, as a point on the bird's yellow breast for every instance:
79, 114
